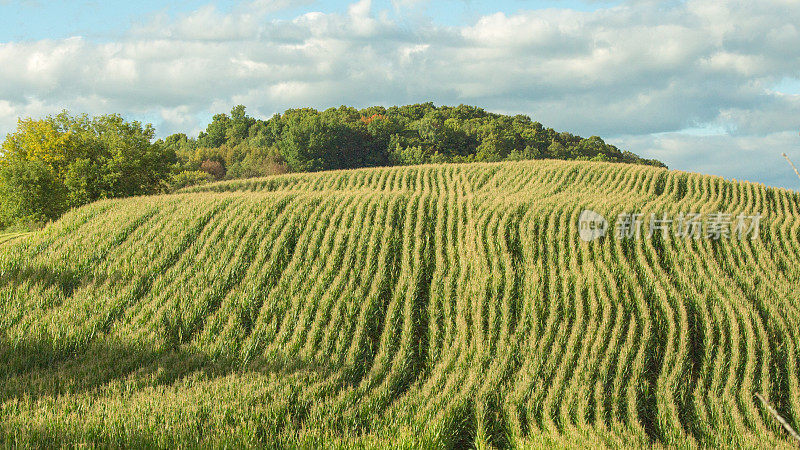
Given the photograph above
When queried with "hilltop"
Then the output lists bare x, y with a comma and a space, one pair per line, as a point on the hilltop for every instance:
50, 165
441, 305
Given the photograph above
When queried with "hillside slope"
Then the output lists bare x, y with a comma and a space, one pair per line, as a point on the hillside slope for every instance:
450, 305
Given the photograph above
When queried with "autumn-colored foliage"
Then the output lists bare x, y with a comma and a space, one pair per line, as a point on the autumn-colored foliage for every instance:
213, 168
368, 120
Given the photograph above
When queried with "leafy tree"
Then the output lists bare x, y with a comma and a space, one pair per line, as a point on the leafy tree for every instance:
337, 138
52, 164
216, 132
213, 168
29, 192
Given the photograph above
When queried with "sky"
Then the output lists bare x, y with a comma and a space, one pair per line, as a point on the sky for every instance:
704, 86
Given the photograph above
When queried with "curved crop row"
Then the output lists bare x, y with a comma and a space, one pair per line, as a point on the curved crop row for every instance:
426, 306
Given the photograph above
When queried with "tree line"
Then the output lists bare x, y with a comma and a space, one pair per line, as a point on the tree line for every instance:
52, 164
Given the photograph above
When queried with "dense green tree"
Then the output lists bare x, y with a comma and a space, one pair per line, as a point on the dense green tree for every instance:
29, 192
216, 132
58, 162
344, 137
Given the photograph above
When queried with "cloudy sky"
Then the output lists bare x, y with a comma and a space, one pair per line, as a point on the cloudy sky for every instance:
705, 86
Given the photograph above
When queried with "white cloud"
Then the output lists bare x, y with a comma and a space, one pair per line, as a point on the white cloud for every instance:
642, 69
747, 158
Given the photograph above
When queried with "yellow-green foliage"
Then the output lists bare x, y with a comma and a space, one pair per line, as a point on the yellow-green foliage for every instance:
428, 306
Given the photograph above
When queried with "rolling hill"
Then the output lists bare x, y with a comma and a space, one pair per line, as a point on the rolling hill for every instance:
422, 306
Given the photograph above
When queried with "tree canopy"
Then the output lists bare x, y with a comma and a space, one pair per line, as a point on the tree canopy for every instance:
52, 164
337, 138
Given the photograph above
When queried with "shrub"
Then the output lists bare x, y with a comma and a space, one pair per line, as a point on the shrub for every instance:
213, 168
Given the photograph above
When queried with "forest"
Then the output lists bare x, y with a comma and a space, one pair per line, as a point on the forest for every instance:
50, 165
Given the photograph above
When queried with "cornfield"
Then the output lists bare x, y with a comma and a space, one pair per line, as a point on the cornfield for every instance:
6, 237
434, 306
